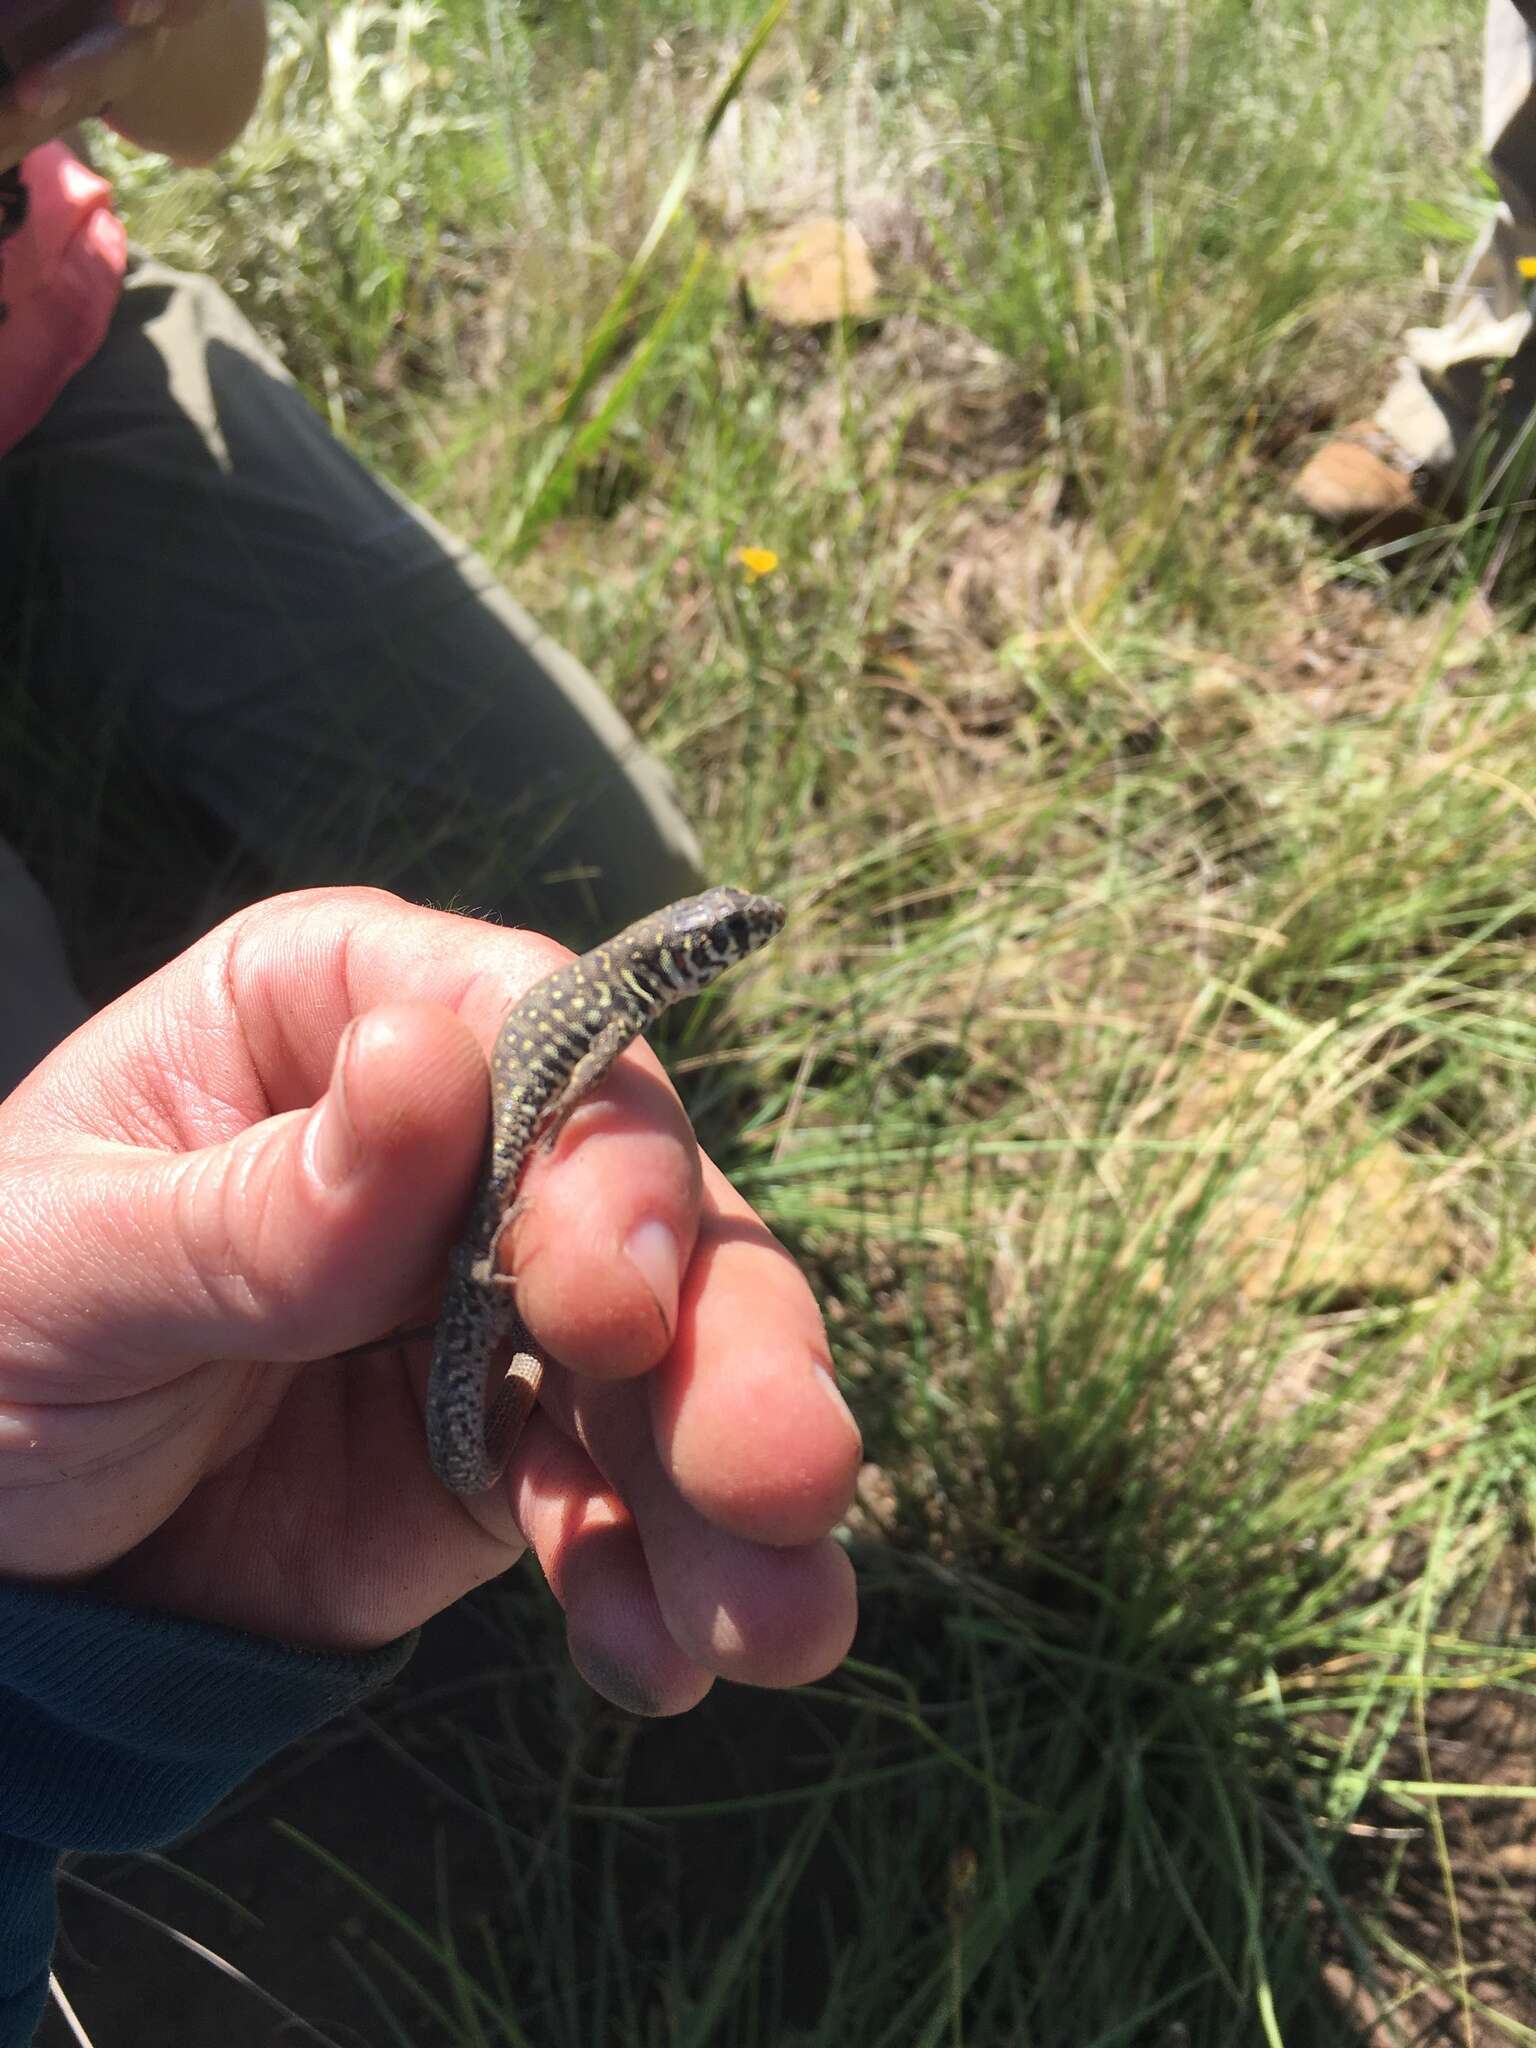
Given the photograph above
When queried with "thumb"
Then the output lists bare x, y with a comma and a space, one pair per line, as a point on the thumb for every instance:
307, 1233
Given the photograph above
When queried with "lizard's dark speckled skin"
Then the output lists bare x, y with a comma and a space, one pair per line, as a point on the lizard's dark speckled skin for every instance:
553, 1047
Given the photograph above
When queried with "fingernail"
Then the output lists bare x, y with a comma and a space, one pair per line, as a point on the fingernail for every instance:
334, 1152
834, 1395
623, 1688
652, 1251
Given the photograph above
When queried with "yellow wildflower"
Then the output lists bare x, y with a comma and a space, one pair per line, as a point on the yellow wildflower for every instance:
758, 562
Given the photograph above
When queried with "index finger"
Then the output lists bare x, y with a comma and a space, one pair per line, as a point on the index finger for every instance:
245, 1024
71, 83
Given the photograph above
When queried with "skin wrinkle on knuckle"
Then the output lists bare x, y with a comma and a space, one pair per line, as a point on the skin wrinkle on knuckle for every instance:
357, 930
42, 1448
344, 968
52, 1442
274, 947
247, 974
30, 1355
217, 1266
315, 933
181, 1085
227, 945
210, 1021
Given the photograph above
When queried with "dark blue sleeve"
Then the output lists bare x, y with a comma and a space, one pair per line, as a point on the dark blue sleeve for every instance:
121, 1728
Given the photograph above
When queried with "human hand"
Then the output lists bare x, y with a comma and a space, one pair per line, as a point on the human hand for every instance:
66, 61
83, 58
258, 1159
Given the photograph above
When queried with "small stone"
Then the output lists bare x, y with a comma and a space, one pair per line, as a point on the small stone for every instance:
1348, 483
811, 274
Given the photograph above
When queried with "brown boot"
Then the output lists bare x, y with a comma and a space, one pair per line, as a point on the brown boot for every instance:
1362, 482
